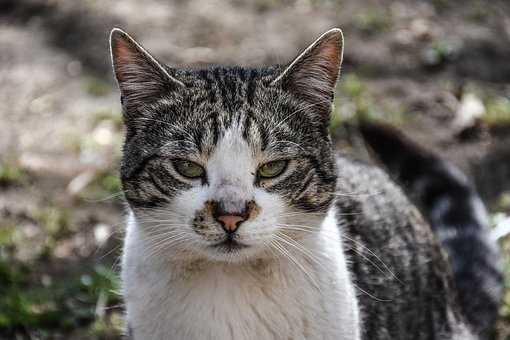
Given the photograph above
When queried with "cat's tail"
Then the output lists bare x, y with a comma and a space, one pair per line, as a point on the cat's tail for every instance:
456, 213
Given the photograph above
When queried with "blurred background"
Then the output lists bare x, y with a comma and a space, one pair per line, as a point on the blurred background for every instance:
438, 69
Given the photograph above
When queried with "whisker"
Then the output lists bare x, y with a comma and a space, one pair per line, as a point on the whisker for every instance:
104, 199
389, 272
319, 263
304, 228
286, 254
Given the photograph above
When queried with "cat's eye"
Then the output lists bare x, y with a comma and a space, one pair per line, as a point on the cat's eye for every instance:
272, 169
188, 169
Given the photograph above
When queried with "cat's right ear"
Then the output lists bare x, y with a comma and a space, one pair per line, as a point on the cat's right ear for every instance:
139, 75
313, 74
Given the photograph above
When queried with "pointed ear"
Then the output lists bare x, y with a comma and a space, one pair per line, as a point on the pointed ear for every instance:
314, 73
139, 75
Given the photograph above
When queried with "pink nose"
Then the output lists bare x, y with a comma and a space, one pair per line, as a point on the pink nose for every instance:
230, 222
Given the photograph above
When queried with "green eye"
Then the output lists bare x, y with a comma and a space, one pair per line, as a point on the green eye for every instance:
272, 169
188, 169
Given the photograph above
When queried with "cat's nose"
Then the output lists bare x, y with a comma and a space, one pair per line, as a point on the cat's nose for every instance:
230, 223
229, 219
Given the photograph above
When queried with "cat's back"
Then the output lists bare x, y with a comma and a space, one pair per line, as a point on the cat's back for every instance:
403, 279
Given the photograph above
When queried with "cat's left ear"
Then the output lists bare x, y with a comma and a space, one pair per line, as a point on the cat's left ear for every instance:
314, 73
140, 76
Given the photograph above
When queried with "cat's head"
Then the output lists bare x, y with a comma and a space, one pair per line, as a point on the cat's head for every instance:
227, 163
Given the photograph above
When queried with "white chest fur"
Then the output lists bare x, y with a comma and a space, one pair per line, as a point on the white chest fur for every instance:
266, 299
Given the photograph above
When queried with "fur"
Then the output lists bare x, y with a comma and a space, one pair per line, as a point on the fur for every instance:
257, 300
456, 213
301, 265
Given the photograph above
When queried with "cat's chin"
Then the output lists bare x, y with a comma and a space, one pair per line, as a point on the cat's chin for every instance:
233, 252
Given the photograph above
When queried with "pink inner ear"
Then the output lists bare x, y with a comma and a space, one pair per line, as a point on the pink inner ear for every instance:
123, 55
330, 53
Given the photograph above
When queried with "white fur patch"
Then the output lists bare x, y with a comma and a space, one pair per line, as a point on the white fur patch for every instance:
265, 299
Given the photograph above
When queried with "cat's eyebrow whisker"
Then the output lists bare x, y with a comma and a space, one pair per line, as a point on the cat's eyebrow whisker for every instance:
275, 143
177, 142
179, 128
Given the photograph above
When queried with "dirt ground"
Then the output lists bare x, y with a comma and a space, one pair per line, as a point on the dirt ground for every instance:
438, 69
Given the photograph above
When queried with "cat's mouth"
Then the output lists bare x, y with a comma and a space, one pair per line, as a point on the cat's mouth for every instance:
229, 245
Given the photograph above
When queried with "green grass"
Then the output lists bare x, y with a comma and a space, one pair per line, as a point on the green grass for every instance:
12, 174
58, 306
41, 295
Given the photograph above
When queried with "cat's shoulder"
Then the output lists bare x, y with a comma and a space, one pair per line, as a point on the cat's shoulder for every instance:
371, 189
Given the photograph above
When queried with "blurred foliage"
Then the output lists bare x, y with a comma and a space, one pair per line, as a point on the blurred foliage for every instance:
105, 184
505, 307
97, 87
51, 305
112, 116
373, 20
497, 110
43, 298
106, 136
503, 202
354, 102
54, 222
12, 174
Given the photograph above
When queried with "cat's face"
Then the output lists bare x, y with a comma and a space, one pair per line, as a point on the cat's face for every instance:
227, 163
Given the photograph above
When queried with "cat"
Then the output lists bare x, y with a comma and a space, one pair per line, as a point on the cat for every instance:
243, 223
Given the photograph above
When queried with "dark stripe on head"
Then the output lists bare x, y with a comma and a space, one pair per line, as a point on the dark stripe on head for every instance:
246, 125
306, 184
251, 87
